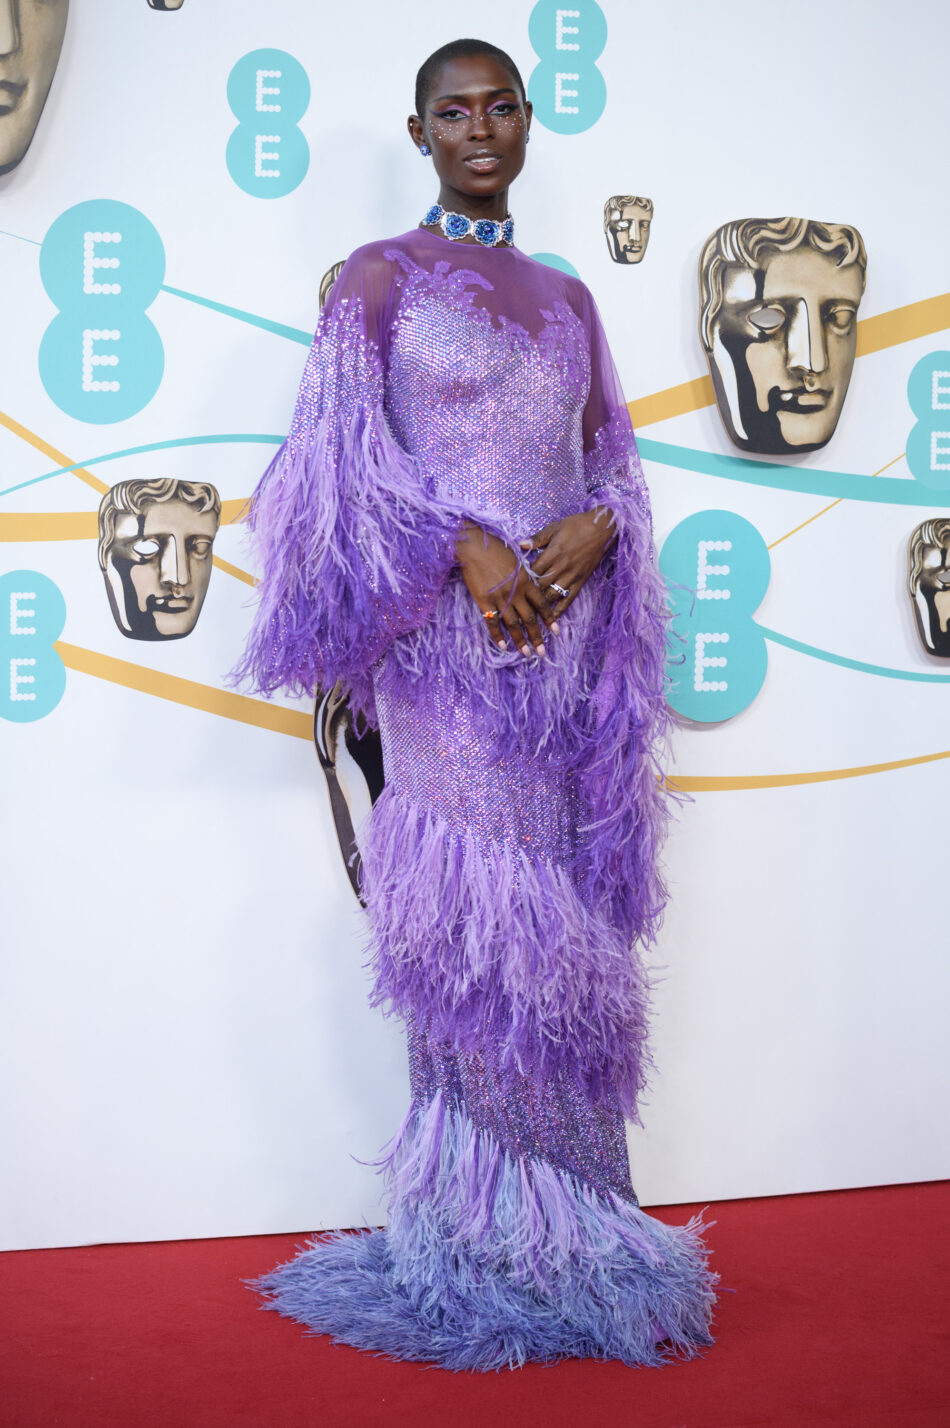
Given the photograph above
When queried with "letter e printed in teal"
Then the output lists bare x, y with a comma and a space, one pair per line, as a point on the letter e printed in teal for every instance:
928, 446
267, 155
567, 89
717, 568
32, 675
101, 358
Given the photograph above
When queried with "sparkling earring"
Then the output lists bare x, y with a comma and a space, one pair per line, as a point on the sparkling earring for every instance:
424, 150
527, 136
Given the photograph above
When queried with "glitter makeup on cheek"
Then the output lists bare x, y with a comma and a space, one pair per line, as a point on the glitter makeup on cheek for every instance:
447, 130
443, 130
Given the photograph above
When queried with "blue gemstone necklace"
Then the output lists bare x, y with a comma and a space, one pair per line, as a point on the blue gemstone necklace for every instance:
490, 232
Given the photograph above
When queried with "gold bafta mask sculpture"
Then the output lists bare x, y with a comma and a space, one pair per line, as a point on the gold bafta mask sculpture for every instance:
779, 300
327, 281
627, 220
31, 37
155, 540
929, 583
351, 757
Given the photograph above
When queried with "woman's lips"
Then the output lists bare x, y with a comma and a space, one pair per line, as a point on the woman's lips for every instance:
483, 163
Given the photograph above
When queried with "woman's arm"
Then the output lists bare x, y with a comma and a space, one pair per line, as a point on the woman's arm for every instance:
504, 590
354, 547
571, 550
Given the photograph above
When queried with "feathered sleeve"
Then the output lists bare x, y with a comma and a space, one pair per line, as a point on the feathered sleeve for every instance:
611, 459
619, 768
352, 547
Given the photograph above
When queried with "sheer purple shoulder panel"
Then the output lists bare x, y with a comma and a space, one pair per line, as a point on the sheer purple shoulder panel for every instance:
354, 548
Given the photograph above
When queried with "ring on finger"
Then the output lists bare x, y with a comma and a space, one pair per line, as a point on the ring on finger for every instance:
559, 590
490, 614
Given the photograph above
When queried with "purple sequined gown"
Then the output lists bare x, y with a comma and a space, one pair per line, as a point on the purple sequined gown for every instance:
509, 867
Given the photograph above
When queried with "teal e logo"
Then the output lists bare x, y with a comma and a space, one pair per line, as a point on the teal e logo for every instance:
102, 263
554, 260
928, 446
267, 155
32, 675
717, 568
567, 89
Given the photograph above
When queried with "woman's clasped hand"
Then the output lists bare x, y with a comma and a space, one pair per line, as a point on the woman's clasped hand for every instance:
516, 598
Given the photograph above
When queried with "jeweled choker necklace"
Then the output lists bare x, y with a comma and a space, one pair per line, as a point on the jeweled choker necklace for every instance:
488, 231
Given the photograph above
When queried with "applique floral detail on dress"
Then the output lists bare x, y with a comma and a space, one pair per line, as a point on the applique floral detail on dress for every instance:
561, 340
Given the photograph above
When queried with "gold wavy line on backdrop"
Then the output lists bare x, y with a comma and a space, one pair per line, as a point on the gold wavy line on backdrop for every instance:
714, 783
234, 570
830, 507
206, 697
32, 439
264, 715
887, 329
84, 525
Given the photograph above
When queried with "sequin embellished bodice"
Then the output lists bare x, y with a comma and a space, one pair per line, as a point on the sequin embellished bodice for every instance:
466, 347
509, 864
457, 370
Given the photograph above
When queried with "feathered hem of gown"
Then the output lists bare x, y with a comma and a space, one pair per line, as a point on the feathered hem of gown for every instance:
490, 1261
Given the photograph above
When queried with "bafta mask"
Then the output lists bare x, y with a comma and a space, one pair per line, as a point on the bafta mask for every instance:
351, 757
929, 583
327, 281
155, 540
31, 37
166, 4
779, 300
627, 220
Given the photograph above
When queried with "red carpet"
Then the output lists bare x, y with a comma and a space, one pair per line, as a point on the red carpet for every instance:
839, 1317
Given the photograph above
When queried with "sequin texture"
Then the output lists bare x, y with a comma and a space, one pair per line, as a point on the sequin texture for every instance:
510, 864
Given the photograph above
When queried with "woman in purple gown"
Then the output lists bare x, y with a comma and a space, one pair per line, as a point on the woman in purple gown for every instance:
457, 527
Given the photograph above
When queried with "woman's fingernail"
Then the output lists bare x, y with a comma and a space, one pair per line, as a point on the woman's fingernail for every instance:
555, 628
524, 650
525, 544
501, 644
541, 651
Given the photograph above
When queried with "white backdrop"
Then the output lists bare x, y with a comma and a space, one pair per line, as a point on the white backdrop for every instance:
186, 1049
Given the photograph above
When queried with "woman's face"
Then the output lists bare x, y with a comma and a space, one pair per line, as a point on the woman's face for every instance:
476, 125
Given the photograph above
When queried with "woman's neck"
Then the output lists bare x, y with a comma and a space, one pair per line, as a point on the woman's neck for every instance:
491, 205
